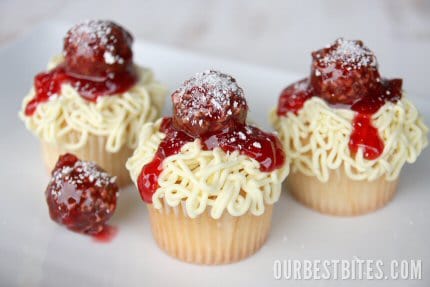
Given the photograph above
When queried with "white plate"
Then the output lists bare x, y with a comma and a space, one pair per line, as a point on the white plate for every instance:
34, 251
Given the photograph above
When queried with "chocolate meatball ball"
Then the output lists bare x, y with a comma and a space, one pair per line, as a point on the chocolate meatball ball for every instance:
97, 49
344, 72
81, 195
208, 102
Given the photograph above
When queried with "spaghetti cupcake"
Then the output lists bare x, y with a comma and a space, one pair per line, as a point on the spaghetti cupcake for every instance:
347, 131
208, 178
93, 99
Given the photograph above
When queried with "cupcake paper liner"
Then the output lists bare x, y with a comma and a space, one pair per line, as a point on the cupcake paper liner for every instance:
93, 150
341, 195
205, 240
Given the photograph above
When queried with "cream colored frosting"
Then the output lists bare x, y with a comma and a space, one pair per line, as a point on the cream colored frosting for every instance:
69, 119
316, 140
201, 179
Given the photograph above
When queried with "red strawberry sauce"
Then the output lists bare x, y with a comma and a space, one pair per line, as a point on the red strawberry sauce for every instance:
48, 84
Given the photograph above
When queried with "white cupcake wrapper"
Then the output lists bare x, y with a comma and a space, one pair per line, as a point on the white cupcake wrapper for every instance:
341, 195
205, 240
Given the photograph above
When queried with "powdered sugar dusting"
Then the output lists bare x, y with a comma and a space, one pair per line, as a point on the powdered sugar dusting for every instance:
82, 172
256, 145
211, 93
350, 54
98, 31
301, 86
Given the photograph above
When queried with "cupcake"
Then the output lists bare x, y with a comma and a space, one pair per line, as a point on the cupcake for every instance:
208, 178
93, 99
347, 132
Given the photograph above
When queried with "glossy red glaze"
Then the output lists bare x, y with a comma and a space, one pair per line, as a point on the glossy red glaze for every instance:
366, 137
48, 84
251, 141
385, 91
81, 195
294, 97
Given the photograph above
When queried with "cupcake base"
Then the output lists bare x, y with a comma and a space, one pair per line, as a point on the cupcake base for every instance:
93, 150
205, 240
341, 195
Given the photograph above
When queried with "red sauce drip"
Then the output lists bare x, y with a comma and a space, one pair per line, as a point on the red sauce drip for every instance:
170, 145
251, 141
106, 235
48, 84
364, 134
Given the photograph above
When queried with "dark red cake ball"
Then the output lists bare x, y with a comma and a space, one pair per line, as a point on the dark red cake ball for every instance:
81, 195
209, 102
98, 48
344, 72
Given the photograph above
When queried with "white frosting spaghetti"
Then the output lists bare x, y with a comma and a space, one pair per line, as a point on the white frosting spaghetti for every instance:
69, 119
316, 140
223, 181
